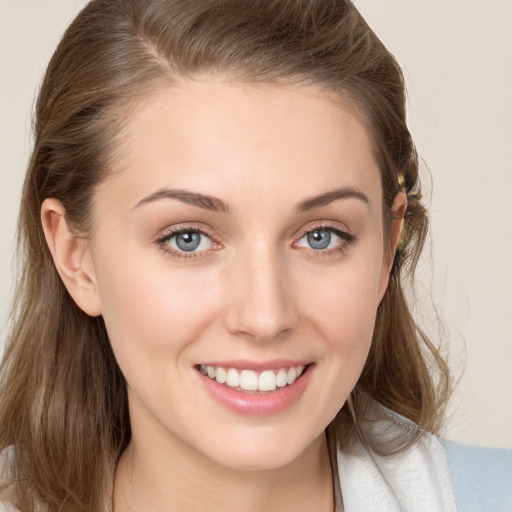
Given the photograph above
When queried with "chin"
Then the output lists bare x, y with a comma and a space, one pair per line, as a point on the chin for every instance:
269, 452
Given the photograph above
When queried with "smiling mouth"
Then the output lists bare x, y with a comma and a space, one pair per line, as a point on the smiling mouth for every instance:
253, 382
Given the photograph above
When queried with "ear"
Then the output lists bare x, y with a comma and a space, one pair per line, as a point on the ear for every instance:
397, 226
72, 258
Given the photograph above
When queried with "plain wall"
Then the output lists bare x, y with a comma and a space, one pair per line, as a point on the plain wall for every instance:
457, 59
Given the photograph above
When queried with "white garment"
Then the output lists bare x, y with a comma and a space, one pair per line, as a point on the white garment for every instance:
417, 480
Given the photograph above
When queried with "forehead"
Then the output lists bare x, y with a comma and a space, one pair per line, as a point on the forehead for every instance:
224, 138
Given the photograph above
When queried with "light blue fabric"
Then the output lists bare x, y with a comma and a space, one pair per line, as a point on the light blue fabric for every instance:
481, 477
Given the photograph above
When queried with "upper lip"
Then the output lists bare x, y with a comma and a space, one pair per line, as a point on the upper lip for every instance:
243, 364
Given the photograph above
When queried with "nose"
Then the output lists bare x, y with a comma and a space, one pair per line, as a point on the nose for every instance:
261, 302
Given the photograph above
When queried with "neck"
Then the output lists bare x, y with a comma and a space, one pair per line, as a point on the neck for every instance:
156, 480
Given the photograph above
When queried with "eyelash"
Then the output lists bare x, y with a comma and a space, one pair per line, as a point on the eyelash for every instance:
347, 239
163, 242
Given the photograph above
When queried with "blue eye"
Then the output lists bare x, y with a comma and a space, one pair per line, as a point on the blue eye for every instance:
325, 239
319, 239
189, 241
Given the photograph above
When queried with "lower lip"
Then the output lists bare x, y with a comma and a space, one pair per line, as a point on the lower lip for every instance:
265, 404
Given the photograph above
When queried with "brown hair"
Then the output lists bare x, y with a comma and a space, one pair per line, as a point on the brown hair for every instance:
63, 404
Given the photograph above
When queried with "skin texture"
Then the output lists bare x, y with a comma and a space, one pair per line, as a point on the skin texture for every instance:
255, 290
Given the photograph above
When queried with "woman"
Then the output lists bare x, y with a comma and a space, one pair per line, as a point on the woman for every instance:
221, 206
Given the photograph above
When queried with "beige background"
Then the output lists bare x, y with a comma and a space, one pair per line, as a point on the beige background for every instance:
457, 57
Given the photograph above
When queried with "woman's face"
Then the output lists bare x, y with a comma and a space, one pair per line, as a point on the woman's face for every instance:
240, 237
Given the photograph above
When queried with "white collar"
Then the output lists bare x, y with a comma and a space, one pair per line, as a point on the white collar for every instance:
416, 480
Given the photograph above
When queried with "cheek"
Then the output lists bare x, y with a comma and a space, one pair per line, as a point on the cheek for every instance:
342, 308
149, 310
345, 308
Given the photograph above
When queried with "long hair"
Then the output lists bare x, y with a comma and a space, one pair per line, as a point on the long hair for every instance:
63, 401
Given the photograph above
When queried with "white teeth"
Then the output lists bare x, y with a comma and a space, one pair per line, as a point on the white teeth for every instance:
233, 378
267, 381
292, 375
249, 380
220, 375
282, 378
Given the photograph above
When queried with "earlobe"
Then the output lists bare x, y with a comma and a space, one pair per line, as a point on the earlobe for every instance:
72, 258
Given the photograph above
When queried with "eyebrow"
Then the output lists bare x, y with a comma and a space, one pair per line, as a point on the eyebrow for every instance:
329, 197
215, 204
194, 198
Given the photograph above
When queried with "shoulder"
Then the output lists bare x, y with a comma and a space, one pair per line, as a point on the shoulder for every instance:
415, 479
430, 475
481, 477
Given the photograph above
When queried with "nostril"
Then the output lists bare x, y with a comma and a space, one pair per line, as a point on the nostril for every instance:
263, 334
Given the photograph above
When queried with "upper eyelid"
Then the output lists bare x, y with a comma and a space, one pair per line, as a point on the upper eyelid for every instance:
167, 233
328, 226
